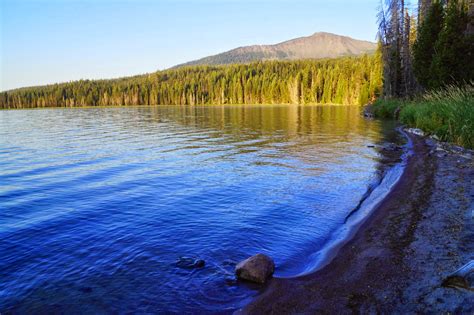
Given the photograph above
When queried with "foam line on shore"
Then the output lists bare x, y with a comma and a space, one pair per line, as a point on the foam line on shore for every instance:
366, 207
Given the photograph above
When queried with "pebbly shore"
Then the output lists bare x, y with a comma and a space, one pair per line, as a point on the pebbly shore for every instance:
399, 260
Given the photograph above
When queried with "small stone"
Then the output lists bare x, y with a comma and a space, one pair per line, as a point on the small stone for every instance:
391, 147
199, 263
461, 278
416, 131
257, 268
190, 263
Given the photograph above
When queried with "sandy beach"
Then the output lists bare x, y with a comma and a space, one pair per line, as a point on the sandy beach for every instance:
397, 261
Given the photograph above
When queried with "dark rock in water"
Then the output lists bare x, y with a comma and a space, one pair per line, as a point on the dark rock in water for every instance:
391, 147
257, 268
190, 263
461, 278
86, 289
367, 112
199, 263
368, 115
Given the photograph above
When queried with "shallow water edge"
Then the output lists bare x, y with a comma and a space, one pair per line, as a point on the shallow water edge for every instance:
120, 195
390, 176
398, 260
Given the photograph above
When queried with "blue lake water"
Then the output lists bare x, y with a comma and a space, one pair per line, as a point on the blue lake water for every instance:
97, 205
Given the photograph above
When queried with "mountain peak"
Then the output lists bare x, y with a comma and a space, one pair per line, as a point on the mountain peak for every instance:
317, 46
324, 33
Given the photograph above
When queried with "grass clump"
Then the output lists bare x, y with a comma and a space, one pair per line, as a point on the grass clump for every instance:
386, 108
447, 113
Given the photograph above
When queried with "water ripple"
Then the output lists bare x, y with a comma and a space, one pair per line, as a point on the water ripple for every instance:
98, 204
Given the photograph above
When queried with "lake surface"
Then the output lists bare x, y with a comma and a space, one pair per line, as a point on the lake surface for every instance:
97, 205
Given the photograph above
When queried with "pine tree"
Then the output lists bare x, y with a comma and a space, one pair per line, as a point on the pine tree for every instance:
453, 59
309, 81
423, 49
392, 22
409, 84
423, 9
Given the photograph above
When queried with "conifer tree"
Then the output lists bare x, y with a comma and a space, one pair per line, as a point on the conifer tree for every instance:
298, 82
424, 47
453, 61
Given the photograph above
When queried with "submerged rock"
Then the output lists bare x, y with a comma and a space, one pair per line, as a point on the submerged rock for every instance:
391, 147
86, 289
190, 263
368, 115
257, 268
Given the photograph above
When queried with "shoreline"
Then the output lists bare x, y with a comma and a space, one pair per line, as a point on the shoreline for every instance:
180, 105
392, 168
419, 234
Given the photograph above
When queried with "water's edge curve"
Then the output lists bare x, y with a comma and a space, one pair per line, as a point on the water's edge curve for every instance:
355, 219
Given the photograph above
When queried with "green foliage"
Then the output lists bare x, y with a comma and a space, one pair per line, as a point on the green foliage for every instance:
453, 59
395, 35
443, 58
350, 80
424, 48
386, 108
447, 113
444, 52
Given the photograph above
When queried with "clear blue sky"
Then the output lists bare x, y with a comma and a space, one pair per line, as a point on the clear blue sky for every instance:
47, 41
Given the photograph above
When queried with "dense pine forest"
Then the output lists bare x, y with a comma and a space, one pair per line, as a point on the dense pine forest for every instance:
427, 49
351, 80
428, 67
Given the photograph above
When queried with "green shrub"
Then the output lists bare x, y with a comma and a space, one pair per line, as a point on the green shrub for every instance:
386, 108
447, 113
408, 114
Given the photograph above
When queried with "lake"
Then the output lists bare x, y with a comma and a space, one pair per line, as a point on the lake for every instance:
100, 205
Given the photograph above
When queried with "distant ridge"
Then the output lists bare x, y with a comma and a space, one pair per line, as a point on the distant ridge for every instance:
317, 46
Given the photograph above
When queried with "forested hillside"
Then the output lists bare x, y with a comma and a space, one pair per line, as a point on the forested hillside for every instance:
428, 59
317, 46
350, 80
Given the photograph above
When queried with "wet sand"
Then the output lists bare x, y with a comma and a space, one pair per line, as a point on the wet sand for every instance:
396, 262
